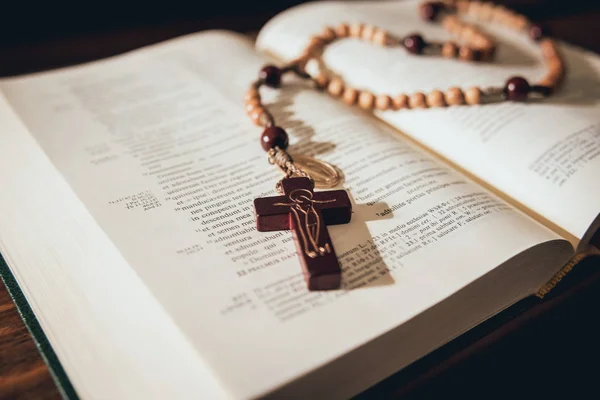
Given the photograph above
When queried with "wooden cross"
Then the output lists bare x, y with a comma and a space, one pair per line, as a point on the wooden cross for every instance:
307, 214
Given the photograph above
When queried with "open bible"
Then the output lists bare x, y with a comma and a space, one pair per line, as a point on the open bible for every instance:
128, 223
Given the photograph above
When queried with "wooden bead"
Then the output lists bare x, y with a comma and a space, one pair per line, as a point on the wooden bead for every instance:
473, 9
274, 136
342, 30
381, 37
473, 96
251, 105
368, 32
259, 116
436, 99
417, 100
516, 89
400, 101
328, 34
366, 100
468, 32
454, 96
520, 22
414, 44
271, 75
350, 96
549, 49
356, 30
465, 53
315, 46
451, 24
449, 49
486, 12
462, 6
383, 102
321, 80
251, 94
335, 87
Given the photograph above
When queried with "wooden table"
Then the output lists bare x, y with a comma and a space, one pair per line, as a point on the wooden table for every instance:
546, 351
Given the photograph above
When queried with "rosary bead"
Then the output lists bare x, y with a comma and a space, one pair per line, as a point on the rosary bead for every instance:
466, 53
274, 136
537, 32
258, 116
328, 34
473, 96
400, 101
468, 32
251, 94
549, 49
486, 11
342, 30
368, 32
321, 80
449, 49
430, 10
252, 104
381, 37
315, 46
454, 96
335, 87
366, 100
417, 100
350, 96
462, 6
414, 44
356, 30
271, 75
516, 89
436, 99
383, 102
451, 24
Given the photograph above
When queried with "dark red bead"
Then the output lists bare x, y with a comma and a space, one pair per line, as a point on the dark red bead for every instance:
414, 44
516, 89
271, 75
430, 10
274, 136
537, 32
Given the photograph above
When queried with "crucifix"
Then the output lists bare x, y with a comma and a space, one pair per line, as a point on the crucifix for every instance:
307, 214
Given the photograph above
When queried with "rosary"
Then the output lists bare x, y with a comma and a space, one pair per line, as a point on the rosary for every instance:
306, 212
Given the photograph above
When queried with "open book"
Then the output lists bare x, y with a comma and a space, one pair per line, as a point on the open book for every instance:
127, 190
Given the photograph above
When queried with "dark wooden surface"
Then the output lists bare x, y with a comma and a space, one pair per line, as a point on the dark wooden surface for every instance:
554, 350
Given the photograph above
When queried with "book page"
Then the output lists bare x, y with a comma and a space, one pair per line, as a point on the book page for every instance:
157, 146
544, 154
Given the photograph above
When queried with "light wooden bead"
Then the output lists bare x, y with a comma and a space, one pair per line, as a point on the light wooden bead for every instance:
520, 22
383, 102
474, 8
400, 101
368, 32
454, 96
465, 53
366, 100
350, 96
549, 49
356, 30
251, 105
486, 12
335, 87
251, 94
259, 116
468, 32
328, 34
436, 99
417, 100
342, 30
473, 96
315, 46
449, 49
462, 6
381, 37
451, 24
322, 80
499, 14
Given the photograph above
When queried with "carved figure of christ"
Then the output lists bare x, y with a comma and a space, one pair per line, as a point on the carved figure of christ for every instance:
307, 214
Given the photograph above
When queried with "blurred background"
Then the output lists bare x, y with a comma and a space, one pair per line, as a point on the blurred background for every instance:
38, 35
